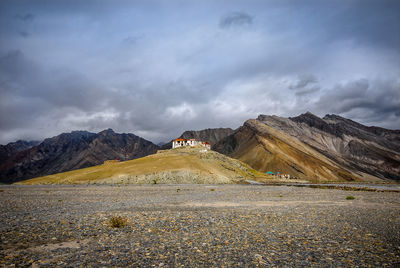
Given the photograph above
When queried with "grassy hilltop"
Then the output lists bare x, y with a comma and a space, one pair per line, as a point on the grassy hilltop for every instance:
183, 165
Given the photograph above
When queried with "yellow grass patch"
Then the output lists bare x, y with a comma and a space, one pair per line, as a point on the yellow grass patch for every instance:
182, 165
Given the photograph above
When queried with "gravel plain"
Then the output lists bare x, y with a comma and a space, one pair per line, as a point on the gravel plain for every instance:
197, 226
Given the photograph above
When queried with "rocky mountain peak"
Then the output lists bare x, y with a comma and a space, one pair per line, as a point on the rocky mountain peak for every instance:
107, 132
333, 117
315, 122
264, 117
308, 116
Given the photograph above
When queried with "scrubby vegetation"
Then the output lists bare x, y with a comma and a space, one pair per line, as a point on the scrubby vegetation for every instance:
118, 221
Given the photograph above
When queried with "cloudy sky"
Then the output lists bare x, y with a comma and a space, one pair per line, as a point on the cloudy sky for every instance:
157, 68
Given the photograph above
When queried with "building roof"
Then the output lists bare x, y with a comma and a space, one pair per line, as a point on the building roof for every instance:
204, 142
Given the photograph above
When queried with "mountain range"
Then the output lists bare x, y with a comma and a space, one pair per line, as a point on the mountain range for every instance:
69, 151
332, 148
307, 147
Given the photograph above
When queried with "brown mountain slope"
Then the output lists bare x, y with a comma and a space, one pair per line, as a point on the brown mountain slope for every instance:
370, 150
266, 149
328, 149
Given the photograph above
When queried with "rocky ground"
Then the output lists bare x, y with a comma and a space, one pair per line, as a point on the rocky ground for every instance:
197, 225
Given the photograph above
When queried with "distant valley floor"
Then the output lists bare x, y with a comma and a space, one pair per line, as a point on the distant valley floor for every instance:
197, 225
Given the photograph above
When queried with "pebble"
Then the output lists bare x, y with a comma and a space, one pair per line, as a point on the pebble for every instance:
236, 225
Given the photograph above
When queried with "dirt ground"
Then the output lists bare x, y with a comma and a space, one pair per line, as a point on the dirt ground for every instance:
197, 226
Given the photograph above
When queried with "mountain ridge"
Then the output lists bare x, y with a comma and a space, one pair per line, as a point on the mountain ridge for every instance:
12, 148
74, 150
332, 148
348, 150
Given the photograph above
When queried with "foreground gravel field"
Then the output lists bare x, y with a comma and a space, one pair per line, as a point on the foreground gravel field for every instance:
197, 225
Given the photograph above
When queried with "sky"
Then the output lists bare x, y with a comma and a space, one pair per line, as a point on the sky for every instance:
158, 68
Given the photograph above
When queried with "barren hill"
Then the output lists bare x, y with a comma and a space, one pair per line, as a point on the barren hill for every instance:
182, 165
319, 149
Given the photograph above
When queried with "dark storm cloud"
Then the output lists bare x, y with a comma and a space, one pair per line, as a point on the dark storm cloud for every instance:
15, 111
30, 92
23, 34
132, 40
304, 80
307, 91
369, 101
346, 97
157, 68
305, 84
28, 17
376, 23
236, 19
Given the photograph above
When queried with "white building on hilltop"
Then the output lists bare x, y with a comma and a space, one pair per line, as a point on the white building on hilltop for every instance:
191, 142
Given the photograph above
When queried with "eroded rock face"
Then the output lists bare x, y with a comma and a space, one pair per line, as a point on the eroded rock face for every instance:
69, 151
329, 148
